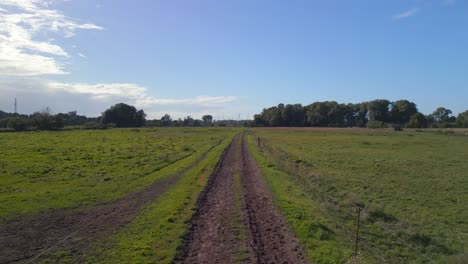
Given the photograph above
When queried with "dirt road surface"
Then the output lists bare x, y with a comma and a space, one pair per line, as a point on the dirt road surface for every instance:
237, 220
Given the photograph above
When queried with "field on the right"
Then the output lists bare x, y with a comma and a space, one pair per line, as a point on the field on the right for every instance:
411, 188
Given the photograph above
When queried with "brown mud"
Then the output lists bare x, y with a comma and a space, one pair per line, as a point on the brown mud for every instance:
236, 220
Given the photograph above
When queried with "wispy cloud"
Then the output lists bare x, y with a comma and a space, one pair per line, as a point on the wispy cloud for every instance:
406, 14
36, 93
81, 55
133, 92
22, 52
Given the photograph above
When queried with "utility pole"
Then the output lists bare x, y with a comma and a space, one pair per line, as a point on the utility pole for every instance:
16, 106
357, 234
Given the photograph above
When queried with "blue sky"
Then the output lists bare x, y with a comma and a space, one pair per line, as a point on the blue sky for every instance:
231, 58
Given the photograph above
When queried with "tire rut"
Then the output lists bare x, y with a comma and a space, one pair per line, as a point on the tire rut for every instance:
32, 239
224, 232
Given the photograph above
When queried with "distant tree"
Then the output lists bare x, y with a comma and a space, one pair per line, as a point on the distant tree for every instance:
259, 119
197, 123
326, 113
402, 111
123, 115
417, 120
4, 122
188, 121
441, 114
462, 119
378, 110
3, 114
299, 115
18, 123
207, 119
166, 120
45, 120
441, 117
375, 124
73, 119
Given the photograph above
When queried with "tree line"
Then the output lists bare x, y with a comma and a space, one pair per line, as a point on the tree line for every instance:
119, 115
373, 114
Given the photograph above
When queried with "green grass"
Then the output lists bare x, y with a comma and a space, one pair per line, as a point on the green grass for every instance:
156, 233
242, 252
413, 185
47, 170
321, 244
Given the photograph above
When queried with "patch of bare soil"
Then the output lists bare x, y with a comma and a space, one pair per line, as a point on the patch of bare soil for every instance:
32, 239
224, 231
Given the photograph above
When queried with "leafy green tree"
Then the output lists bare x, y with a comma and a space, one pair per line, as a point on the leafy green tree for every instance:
4, 122
441, 114
207, 119
417, 120
18, 123
378, 110
322, 113
123, 115
166, 120
402, 111
441, 117
462, 119
375, 124
44, 120
259, 119
188, 121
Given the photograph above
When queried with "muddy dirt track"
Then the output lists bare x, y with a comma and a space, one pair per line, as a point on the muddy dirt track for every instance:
237, 220
30, 240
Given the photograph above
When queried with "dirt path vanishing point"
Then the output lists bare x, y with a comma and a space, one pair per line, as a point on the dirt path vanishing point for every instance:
237, 220
30, 240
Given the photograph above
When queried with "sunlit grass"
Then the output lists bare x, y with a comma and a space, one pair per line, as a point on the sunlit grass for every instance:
412, 184
47, 170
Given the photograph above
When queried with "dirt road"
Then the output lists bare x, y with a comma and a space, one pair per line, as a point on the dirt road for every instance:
237, 220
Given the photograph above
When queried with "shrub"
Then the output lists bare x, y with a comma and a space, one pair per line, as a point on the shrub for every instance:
18, 123
375, 124
93, 125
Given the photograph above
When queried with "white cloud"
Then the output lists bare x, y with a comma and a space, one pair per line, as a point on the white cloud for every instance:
406, 14
133, 92
22, 51
81, 55
36, 93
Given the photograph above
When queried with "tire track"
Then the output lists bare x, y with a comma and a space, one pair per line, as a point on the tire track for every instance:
224, 232
31, 239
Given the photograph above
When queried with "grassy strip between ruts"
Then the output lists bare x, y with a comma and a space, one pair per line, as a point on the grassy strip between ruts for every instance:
320, 243
156, 233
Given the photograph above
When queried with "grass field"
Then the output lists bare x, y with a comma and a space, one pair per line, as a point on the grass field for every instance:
156, 233
412, 187
49, 170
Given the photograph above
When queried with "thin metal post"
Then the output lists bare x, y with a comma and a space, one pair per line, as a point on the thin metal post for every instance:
357, 234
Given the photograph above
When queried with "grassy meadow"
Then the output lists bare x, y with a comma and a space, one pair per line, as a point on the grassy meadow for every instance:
411, 186
156, 233
40, 171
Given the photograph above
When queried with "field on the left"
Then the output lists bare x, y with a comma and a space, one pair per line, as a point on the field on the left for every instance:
71, 173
